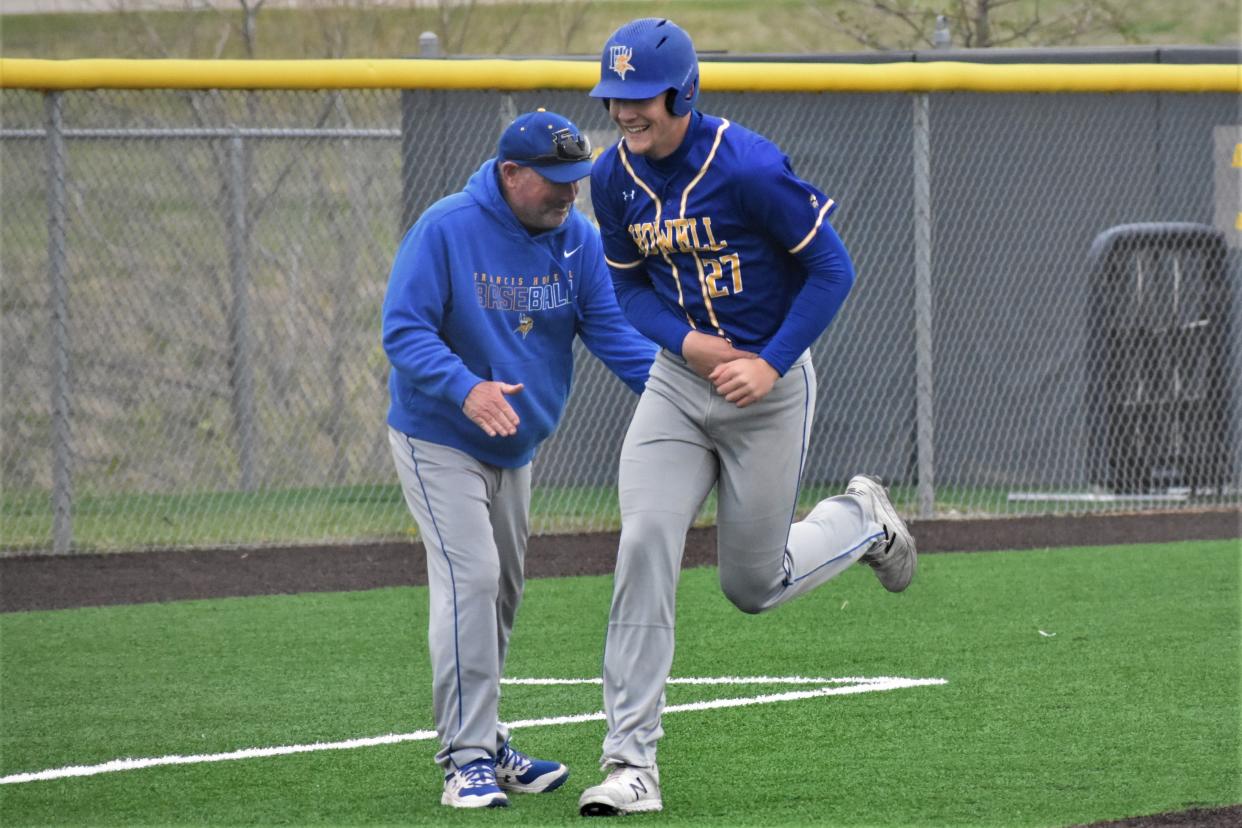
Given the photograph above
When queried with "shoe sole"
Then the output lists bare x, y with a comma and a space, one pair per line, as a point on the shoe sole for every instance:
483, 802
893, 523
595, 809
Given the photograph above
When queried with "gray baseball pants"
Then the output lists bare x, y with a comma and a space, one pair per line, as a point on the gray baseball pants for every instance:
684, 439
473, 519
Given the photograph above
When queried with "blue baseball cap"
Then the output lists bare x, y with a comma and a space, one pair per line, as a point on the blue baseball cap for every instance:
548, 143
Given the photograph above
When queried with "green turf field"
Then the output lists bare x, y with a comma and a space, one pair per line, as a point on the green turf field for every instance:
1080, 685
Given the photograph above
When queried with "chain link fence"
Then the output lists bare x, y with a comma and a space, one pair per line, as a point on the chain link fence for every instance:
192, 281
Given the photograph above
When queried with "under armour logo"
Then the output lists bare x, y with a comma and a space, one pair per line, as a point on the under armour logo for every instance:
620, 60
627, 195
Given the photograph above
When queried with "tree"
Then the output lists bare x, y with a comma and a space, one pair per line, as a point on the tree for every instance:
886, 25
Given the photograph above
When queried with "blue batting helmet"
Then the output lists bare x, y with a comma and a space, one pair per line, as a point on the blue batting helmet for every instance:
646, 57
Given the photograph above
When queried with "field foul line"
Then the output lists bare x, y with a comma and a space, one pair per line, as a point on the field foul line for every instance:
828, 687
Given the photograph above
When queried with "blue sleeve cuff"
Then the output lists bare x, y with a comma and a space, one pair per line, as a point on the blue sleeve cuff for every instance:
460, 386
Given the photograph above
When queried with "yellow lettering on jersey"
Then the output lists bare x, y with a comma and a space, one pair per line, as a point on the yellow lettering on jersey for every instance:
679, 235
664, 239
650, 238
712, 244
715, 272
680, 229
636, 233
734, 262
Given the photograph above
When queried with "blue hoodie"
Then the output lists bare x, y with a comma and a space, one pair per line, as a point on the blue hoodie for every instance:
474, 296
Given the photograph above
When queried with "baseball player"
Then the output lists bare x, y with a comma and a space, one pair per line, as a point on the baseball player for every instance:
487, 292
725, 258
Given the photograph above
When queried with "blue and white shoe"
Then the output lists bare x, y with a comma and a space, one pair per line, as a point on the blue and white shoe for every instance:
515, 771
474, 786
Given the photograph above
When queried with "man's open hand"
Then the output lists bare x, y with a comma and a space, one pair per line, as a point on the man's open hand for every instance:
487, 408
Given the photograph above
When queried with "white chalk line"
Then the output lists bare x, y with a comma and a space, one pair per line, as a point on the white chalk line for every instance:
828, 687
716, 680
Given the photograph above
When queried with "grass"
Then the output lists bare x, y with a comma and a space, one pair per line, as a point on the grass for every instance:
1126, 703
521, 28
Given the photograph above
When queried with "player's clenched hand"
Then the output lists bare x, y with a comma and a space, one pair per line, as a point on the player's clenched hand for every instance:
744, 381
705, 352
487, 408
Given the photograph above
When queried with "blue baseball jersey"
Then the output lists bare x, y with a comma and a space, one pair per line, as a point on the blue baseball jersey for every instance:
720, 237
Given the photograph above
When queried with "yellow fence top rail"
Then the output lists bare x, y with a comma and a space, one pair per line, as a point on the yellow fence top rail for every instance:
947, 76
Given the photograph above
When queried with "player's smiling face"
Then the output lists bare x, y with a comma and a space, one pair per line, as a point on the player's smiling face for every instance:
648, 127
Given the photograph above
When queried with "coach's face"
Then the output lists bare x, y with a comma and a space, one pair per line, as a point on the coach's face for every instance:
538, 203
648, 127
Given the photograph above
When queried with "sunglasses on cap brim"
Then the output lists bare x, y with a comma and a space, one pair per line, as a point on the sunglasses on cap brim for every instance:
567, 147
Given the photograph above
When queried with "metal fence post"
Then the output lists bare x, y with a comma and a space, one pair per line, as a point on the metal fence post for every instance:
241, 368
62, 436
925, 397
408, 149
411, 140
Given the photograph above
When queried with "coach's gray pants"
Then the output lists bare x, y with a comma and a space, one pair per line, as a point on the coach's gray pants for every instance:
683, 440
473, 519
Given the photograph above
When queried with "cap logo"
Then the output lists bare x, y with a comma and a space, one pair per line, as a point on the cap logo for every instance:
620, 60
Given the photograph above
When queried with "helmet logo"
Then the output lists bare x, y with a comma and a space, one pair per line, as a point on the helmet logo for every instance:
620, 60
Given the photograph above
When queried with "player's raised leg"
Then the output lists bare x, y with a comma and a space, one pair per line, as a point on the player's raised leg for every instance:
764, 561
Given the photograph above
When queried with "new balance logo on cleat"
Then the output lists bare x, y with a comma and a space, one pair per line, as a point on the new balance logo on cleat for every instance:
626, 790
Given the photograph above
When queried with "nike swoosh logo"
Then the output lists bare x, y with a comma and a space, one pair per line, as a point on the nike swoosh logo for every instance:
569, 253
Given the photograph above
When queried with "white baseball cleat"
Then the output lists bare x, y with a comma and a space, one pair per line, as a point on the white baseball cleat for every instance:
474, 786
626, 790
893, 557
